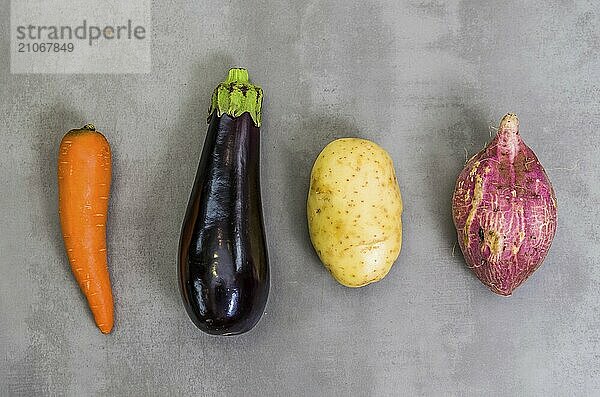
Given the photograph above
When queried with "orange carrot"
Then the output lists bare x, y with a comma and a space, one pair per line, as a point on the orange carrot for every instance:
84, 175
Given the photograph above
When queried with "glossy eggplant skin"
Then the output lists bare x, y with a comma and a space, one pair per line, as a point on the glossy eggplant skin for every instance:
223, 261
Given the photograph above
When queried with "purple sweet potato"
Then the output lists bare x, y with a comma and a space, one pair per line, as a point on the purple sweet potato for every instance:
504, 210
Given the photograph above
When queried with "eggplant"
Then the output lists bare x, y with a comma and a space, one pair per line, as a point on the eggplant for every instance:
223, 267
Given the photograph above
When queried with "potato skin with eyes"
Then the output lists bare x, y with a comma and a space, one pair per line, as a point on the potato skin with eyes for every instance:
354, 211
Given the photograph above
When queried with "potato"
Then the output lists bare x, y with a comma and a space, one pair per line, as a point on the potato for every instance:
354, 211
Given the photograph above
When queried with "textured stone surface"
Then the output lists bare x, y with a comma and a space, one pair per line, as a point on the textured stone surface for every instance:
424, 79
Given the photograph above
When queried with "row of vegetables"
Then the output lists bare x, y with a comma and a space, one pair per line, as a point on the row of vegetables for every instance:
504, 210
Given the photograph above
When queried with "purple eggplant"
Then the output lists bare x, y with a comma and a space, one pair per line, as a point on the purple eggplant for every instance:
223, 263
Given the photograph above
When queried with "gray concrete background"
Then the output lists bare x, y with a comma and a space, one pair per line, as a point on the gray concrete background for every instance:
425, 79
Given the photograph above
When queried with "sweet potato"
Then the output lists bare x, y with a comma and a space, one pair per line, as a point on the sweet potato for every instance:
504, 210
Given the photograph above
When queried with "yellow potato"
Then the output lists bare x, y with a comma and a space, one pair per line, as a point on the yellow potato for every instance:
354, 211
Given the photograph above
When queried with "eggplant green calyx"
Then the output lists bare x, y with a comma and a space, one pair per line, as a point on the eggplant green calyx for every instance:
236, 96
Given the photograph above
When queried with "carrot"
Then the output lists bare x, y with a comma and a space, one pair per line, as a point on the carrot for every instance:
84, 175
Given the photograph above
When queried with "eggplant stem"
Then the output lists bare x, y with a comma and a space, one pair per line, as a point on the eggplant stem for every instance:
236, 96
237, 75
